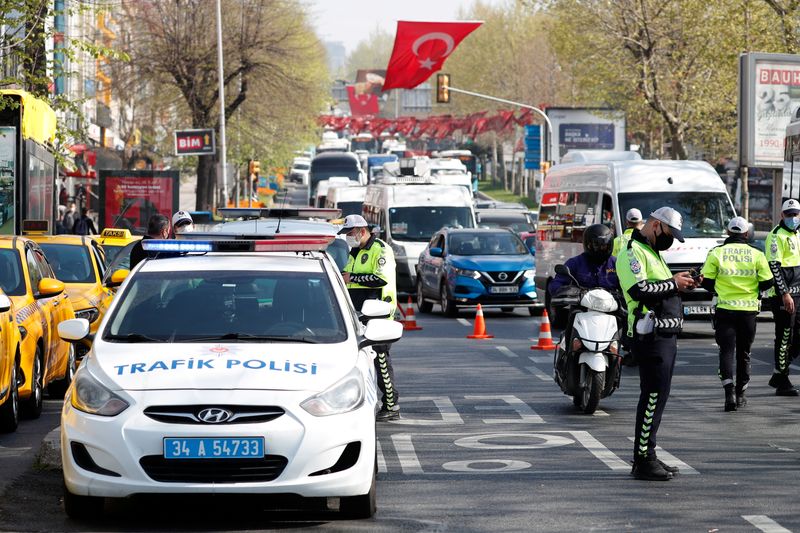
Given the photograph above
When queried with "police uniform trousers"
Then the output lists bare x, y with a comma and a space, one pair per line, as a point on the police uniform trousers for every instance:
786, 334
385, 375
734, 333
655, 354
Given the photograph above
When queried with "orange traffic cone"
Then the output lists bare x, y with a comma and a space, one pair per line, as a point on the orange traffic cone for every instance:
479, 332
410, 320
545, 337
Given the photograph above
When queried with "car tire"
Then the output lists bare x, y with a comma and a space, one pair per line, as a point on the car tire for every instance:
449, 308
32, 407
363, 506
83, 507
423, 305
9, 411
58, 389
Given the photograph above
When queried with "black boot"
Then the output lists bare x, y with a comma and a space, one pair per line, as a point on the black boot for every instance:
741, 400
649, 469
783, 387
730, 398
671, 469
386, 414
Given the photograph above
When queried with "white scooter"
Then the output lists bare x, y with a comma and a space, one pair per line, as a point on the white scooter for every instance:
587, 362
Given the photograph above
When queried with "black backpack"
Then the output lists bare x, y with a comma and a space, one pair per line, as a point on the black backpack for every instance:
81, 227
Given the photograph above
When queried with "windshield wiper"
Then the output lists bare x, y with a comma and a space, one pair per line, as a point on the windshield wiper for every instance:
250, 338
132, 337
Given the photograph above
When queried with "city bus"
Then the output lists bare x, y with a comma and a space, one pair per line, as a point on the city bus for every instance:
27, 161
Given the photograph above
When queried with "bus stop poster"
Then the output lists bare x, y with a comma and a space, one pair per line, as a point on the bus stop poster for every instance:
8, 148
129, 198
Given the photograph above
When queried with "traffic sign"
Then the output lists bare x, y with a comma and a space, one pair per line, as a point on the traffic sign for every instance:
194, 142
533, 146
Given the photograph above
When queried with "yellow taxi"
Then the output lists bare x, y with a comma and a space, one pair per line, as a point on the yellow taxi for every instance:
9, 366
40, 304
113, 240
79, 261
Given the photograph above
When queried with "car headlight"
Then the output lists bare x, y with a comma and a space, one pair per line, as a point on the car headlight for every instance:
529, 274
344, 396
90, 396
468, 273
91, 314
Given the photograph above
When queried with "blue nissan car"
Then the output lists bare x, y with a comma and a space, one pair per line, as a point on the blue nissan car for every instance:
466, 267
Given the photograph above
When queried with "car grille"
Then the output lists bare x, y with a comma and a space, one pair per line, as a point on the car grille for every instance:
188, 414
510, 276
266, 468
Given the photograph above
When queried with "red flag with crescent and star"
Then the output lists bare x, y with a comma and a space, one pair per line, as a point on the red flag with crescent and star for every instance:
420, 49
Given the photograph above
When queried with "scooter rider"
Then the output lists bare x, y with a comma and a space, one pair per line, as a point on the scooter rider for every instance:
655, 317
595, 267
736, 272
783, 255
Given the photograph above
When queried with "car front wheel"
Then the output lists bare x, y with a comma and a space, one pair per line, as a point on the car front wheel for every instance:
33, 405
9, 411
362, 506
423, 305
448, 306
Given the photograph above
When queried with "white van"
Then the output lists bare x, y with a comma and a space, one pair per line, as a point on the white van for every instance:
450, 172
321, 194
409, 211
349, 199
579, 194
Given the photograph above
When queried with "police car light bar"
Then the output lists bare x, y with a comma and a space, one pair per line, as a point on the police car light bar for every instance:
284, 212
288, 243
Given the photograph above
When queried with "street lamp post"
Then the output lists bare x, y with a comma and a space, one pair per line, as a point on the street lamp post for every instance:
222, 144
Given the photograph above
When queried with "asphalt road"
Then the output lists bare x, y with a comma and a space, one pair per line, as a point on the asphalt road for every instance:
488, 443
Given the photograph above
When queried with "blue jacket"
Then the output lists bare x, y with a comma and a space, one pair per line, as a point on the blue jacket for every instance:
588, 274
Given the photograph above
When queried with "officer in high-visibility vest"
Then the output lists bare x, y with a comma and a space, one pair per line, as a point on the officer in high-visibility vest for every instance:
783, 255
655, 317
633, 220
737, 273
370, 275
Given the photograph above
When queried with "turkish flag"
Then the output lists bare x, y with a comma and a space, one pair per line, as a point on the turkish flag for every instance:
420, 49
362, 104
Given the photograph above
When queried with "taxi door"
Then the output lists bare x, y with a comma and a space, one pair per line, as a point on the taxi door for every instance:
7, 352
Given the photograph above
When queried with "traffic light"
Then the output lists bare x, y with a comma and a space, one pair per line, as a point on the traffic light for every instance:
544, 166
255, 167
443, 88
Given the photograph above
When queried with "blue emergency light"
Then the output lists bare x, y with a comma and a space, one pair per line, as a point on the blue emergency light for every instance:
280, 243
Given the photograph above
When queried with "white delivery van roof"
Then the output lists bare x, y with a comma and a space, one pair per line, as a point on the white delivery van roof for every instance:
635, 176
419, 195
345, 193
575, 156
446, 163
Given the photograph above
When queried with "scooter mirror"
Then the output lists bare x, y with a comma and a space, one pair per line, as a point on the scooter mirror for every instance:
562, 269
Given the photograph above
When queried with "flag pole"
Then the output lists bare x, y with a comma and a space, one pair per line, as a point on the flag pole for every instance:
222, 145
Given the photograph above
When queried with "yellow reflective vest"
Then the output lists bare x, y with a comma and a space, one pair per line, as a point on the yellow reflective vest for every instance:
736, 268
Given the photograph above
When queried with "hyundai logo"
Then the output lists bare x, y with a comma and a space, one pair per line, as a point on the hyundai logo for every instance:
214, 415
502, 276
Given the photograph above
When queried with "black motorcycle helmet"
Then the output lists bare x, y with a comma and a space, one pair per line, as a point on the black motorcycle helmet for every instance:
598, 241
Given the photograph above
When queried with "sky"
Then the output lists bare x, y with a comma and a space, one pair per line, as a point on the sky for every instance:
350, 21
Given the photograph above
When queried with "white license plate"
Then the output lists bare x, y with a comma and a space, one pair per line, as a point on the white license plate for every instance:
696, 309
503, 290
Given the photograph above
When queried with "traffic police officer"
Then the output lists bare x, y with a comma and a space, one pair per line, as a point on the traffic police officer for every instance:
370, 275
783, 255
633, 220
655, 318
736, 272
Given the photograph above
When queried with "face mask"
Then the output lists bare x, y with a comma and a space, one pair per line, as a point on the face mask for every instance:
352, 242
792, 222
663, 241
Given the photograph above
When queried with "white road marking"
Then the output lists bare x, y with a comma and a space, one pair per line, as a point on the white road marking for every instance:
505, 351
406, 454
12, 452
538, 373
599, 450
466, 466
381, 459
795, 368
672, 460
445, 406
600, 412
526, 414
539, 359
463, 322
765, 523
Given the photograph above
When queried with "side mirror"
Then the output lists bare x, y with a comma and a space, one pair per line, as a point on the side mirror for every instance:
117, 278
381, 331
436, 252
562, 269
5, 303
75, 329
372, 309
49, 287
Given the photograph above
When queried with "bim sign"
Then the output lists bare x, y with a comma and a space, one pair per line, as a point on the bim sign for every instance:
194, 142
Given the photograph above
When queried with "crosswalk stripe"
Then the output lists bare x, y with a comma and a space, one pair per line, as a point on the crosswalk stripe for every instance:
381, 459
672, 460
406, 454
596, 448
538, 373
765, 523
505, 351
539, 359
463, 322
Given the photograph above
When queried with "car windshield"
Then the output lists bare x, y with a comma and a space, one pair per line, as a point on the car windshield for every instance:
705, 214
420, 223
71, 262
111, 252
486, 243
518, 223
11, 280
208, 306
302, 166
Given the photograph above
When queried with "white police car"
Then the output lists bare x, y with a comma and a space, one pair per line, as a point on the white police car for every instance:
227, 370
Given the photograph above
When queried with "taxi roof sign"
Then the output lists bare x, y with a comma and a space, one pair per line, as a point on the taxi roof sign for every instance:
35, 226
116, 233
283, 212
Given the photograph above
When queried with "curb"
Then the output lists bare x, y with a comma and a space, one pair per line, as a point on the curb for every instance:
49, 455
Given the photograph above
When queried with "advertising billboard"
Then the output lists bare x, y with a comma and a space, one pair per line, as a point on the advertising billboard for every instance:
194, 142
128, 198
584, 128
769, 96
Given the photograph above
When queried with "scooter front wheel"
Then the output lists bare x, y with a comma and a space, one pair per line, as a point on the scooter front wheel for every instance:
592, 391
